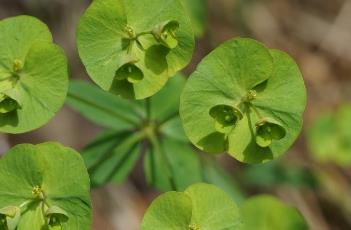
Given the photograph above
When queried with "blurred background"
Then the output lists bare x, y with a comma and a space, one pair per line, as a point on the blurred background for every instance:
314, 175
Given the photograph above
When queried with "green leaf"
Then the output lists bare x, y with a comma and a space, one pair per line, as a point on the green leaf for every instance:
172, 165
215, 174
329, 137
110, 30
201, 206
165, 104
213, 208
33, 75
197, 9
258, 82
170, 211
101, 107
112, 156
266, 212
34, 177
173, 129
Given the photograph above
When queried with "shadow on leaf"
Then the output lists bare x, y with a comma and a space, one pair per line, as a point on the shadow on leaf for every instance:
123, 88
155, 58
251, 153
214, 143
9, 119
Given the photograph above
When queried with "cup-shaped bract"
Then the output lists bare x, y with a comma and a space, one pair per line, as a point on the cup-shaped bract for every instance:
261, 84
33, 75
165, 33
9, 217
49, 183
193, 209
157, 33
225, 117
267, 130
56, 217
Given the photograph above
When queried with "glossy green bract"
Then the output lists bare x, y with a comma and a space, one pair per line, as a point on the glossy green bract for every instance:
244, 77
132, 47
266, 212
33, 75
199, 207
44, 186
329, 137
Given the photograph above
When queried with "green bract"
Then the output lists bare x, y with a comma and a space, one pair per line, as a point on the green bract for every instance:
200, 207
329, 137
33, 75
44, 186
206, 207
266, 213
132, 47
245, 99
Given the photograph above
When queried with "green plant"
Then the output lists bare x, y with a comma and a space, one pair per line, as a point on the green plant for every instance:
44, 186
329, 137
197, 11
132, 49
265, 212
206, 207
33, 75
244, 99
150, 129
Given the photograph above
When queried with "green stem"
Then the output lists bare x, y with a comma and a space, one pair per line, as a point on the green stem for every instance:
143, 33
253, 107
148, 108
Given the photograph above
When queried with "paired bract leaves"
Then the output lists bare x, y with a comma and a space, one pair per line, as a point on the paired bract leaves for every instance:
199, 207
206, 207
132, 47
33, 75
44, 186
244, 77
329, 137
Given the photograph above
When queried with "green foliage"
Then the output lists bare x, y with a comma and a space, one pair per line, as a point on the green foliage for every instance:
134, 128
44, 186
244, 99
131, 48
206, 207
265, 212
201, 206
150, 129
197, 9
33, 75
329, 137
